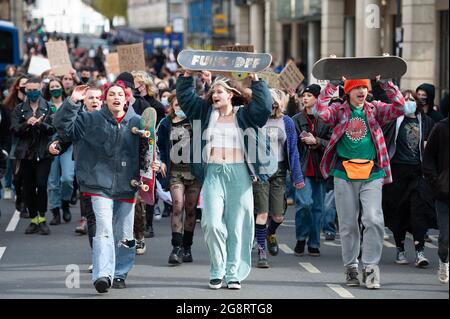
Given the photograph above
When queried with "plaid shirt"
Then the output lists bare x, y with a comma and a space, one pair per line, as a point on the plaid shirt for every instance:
377, 113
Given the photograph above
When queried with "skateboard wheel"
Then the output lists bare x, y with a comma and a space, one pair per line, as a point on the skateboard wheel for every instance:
145, 188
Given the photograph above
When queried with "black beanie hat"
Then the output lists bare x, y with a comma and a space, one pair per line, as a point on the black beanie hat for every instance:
126, 78
314, 89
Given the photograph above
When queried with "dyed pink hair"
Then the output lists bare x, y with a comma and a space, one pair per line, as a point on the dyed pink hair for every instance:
107, 86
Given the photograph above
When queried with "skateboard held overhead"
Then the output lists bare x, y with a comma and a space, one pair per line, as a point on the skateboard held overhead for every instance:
332, 68
147, 154
224, 61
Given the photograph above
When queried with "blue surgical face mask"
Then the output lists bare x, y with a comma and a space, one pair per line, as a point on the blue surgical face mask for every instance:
34, 95
180, 114
410, 107
165, 101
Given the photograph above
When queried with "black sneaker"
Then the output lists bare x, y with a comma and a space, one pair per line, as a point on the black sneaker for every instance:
32, 229
299, 249
119, 283
56, 220
23, 212
235, 285
313, 252
215, 283
330, 236
351, 277
43, 229
176, 256
187, 255
102, 284
148, 233
272, 244
67, 216
262, 258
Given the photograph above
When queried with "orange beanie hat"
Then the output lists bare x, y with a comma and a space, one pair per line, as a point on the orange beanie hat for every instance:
351, 84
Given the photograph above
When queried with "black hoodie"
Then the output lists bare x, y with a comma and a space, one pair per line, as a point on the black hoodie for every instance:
430, 89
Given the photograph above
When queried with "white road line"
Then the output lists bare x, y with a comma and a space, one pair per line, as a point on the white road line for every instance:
332, 244
430, 245
285, 248
2, 250
13, 222
310, 268
388, 244
344, 293
434, 237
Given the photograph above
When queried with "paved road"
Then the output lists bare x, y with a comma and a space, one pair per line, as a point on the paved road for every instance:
36, 266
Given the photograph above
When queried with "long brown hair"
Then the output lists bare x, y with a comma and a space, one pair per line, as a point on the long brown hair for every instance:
12, 100
243, 98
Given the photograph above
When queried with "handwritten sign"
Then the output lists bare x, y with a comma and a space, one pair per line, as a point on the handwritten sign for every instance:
58, 54
112, 63
238, 48
271, 78
38, 65
291, 77
131, 57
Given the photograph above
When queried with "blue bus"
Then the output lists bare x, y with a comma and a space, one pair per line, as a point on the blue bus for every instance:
9, 46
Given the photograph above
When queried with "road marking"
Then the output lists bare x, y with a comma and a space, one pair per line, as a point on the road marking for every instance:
430, 245
285, 248
434, 237
14, 221
2, 250
388, 244
332, 244
344, 293
310, 268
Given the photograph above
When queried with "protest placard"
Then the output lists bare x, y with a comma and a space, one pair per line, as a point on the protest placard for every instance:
271, 78
58, 56
131, 57
291, 77
38, 65
112, 63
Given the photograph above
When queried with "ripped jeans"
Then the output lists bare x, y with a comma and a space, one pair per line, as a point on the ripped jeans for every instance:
114, 246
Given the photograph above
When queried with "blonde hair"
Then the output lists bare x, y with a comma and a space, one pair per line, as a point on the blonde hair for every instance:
143, 78
279, 103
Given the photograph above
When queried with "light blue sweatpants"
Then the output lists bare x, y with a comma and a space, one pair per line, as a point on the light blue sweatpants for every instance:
228, 221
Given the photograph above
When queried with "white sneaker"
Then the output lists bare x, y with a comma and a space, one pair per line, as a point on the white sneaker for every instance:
443, 272
401, 258
157, 213
372, 277
421, 260
385, 235
7, 193
90, 268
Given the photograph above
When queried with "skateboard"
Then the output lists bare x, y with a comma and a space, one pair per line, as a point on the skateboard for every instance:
147, 154
388, 67
224, 61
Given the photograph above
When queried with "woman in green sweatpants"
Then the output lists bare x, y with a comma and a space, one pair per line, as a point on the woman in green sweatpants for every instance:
230, 126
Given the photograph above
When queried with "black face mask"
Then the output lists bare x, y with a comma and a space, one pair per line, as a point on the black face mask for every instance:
22, 89
85, 79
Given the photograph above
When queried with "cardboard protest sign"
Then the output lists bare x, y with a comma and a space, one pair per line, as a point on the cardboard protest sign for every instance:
38, 65
291, 77
271, 78
58, 55
131, 57
112, 63
238, 48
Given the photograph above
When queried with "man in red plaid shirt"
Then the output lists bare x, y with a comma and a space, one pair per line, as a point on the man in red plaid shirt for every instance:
358, 159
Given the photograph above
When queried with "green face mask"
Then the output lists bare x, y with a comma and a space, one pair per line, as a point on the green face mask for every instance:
56, 93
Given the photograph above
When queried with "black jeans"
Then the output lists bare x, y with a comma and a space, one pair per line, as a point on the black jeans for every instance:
35, 176
88, 212
399, 205
442, 218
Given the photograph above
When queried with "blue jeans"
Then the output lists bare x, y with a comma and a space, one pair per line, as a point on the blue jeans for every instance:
290, 190
308, 211
60, 180
9, 174
114, 246
329, 214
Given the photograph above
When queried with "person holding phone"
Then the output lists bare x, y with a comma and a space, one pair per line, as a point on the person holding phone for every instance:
313, 138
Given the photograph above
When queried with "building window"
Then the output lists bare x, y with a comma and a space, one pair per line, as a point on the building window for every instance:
443, 54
